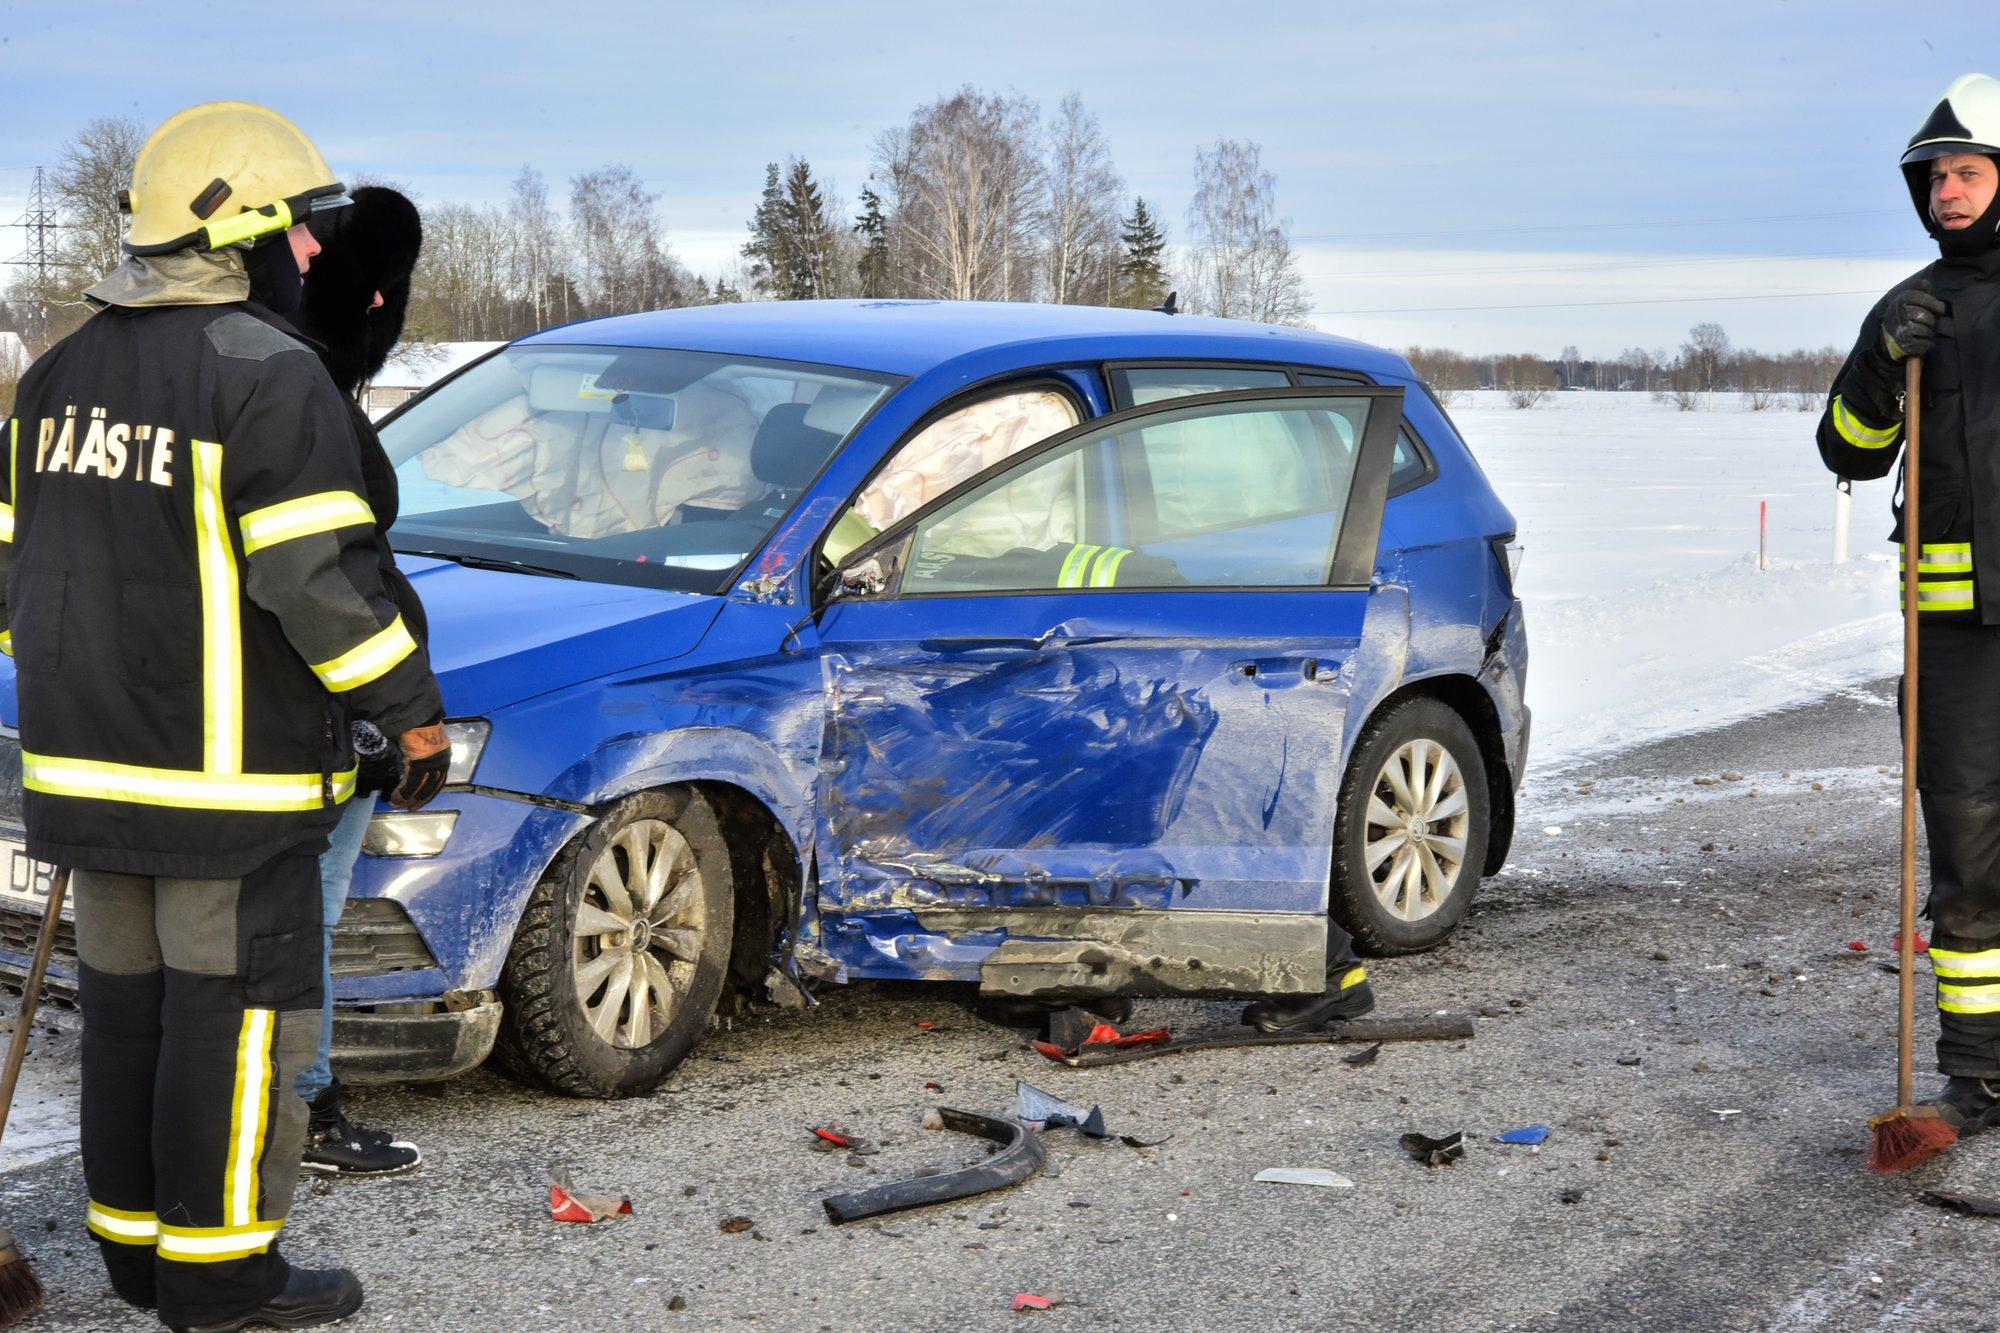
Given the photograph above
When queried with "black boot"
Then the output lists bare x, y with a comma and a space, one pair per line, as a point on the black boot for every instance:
1969, 1104
1347, 996
336, 1146
311, 1297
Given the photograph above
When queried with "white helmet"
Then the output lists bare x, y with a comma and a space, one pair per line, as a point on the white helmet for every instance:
1965, 120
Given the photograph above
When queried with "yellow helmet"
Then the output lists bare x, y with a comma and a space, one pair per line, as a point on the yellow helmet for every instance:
221, 174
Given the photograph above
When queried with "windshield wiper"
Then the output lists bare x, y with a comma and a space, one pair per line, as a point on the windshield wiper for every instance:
493, 562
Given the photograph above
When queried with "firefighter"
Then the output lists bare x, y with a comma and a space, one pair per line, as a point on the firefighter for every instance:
1949, 314
193, 603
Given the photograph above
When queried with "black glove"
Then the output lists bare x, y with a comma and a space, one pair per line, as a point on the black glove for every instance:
381, 763
427, 754
1910, 324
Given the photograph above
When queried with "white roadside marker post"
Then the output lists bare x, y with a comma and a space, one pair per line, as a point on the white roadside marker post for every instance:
1763, 526
1843, 507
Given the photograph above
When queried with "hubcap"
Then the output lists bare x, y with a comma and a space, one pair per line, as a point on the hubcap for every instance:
638, 933
1417, 822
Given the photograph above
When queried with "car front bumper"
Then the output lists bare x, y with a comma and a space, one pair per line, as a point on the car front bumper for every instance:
427, 1046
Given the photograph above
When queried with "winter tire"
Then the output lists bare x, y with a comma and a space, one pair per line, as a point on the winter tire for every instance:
1411, 837
622, 951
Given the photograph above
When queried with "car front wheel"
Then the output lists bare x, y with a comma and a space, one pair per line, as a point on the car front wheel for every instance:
622, 951
1414, 815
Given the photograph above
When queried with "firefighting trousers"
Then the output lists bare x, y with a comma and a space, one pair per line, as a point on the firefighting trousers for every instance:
201, 1002
1958, 778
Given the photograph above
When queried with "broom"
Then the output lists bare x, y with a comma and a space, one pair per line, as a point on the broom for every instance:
1909, 1134
20, 1289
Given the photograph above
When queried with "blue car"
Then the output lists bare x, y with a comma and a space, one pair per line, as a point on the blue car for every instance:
1066, 652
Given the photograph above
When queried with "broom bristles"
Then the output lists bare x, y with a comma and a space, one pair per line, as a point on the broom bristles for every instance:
20, 1289
1902, 1141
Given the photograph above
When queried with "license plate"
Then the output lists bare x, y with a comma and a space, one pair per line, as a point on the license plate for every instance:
24, 883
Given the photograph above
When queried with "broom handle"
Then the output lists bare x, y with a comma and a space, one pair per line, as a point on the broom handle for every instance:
31, 993
1913, 554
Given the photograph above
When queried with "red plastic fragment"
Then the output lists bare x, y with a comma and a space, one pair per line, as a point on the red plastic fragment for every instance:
926, 1025
838, 1140
1859, 946
1028, 1300
1106, 1035
567, 1207
933, 1086
1923, 945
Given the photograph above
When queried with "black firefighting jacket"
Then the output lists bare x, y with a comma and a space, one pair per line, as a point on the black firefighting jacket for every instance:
1861, 435
193, 595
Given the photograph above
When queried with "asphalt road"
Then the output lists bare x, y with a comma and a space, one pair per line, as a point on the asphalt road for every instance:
1676, 950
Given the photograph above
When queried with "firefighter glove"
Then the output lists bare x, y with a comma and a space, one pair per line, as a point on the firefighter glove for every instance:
381, 763
428, 759
1910, 324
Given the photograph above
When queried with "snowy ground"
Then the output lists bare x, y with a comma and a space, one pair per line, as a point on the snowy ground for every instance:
1647, 616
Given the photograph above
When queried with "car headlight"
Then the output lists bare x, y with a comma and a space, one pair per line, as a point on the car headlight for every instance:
409, 833
468, 741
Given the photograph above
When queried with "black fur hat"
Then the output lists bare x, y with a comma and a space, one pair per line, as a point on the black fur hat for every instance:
367, 247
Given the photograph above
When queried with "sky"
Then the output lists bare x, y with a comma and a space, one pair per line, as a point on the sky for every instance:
1489, 178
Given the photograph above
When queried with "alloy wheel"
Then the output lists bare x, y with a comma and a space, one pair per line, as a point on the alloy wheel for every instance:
1418, 817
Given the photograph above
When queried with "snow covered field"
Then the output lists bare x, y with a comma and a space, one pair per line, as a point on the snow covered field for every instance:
1647, 615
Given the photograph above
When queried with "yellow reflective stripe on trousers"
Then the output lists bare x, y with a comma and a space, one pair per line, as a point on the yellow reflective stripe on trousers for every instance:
326, 512
248, 1110
1862, 436
1953, 596
122, 1225
1071, 574
7, 642
1942, 558
221, 618
214, 1245
374, 659
1966, 966
181, 789
1969, 999
1104, 574
6, 523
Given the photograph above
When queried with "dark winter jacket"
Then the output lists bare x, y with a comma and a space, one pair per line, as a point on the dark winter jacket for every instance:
1861, 434
192, 582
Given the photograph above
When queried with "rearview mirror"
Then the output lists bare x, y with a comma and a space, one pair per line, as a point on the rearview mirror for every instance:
865, 579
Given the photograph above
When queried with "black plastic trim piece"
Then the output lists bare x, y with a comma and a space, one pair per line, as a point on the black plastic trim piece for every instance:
1020, 1158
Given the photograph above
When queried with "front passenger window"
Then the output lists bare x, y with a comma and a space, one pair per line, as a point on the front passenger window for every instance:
951, 450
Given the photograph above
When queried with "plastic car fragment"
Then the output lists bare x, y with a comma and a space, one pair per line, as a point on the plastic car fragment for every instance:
1302, 1175
1449, 1027
1531, 1135
1435, 1152
1039, 1110
1972, 1205
566, 1205
1020, 1158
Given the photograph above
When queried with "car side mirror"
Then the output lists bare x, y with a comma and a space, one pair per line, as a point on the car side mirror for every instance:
864, 579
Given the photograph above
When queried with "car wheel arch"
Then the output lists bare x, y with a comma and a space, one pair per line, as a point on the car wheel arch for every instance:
1465, 696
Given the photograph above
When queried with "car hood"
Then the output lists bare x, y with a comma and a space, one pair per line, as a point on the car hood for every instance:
498, 638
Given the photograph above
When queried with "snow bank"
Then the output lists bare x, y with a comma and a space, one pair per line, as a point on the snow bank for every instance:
1647, 616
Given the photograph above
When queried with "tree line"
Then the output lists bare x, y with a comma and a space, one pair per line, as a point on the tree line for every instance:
978, 196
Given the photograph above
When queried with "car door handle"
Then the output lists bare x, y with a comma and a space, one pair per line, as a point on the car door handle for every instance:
1277, 672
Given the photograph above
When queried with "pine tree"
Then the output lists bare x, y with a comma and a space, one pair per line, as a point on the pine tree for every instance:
873, 229
1143, 275
807, 273
765, 250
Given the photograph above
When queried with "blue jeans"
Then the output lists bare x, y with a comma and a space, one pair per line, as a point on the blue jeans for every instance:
336, 874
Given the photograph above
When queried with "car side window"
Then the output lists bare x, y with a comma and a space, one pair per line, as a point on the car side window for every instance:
1235, 495
1410, 466
1135, 386
950, 450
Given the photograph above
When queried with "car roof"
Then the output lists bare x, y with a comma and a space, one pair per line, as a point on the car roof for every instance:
910, 337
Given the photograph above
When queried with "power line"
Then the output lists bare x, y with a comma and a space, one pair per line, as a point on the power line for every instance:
1594, 226
1616, 265
39, 222
1580, 305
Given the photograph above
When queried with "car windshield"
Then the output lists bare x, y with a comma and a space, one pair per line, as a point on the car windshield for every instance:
617, 464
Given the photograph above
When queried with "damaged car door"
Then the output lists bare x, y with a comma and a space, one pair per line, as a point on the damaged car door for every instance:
1083, 712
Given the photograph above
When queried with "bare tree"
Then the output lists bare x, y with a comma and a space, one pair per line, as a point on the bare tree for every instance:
1527, 378
1081, 221
621, 256
90, 171
1449, 374
533, 250
1705, 353
962, 183
1240, 263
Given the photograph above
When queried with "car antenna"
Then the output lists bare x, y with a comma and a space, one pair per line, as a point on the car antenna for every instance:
1170, 306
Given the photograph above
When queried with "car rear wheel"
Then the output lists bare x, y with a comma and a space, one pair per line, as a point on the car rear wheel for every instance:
622, 951
1414, 816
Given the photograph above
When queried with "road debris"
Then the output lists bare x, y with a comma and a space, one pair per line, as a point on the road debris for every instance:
1435, 1152
1020, 1157
1574, 1194
1039, 1110
736, 1225
1028, 1300
1446, 1027
566, 1205
1302, 1175
1972, 1205
1724, 1112
1101, 1037
1365, 1056
1533, 1136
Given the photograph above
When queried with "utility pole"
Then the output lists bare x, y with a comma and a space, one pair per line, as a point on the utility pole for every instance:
38, 255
